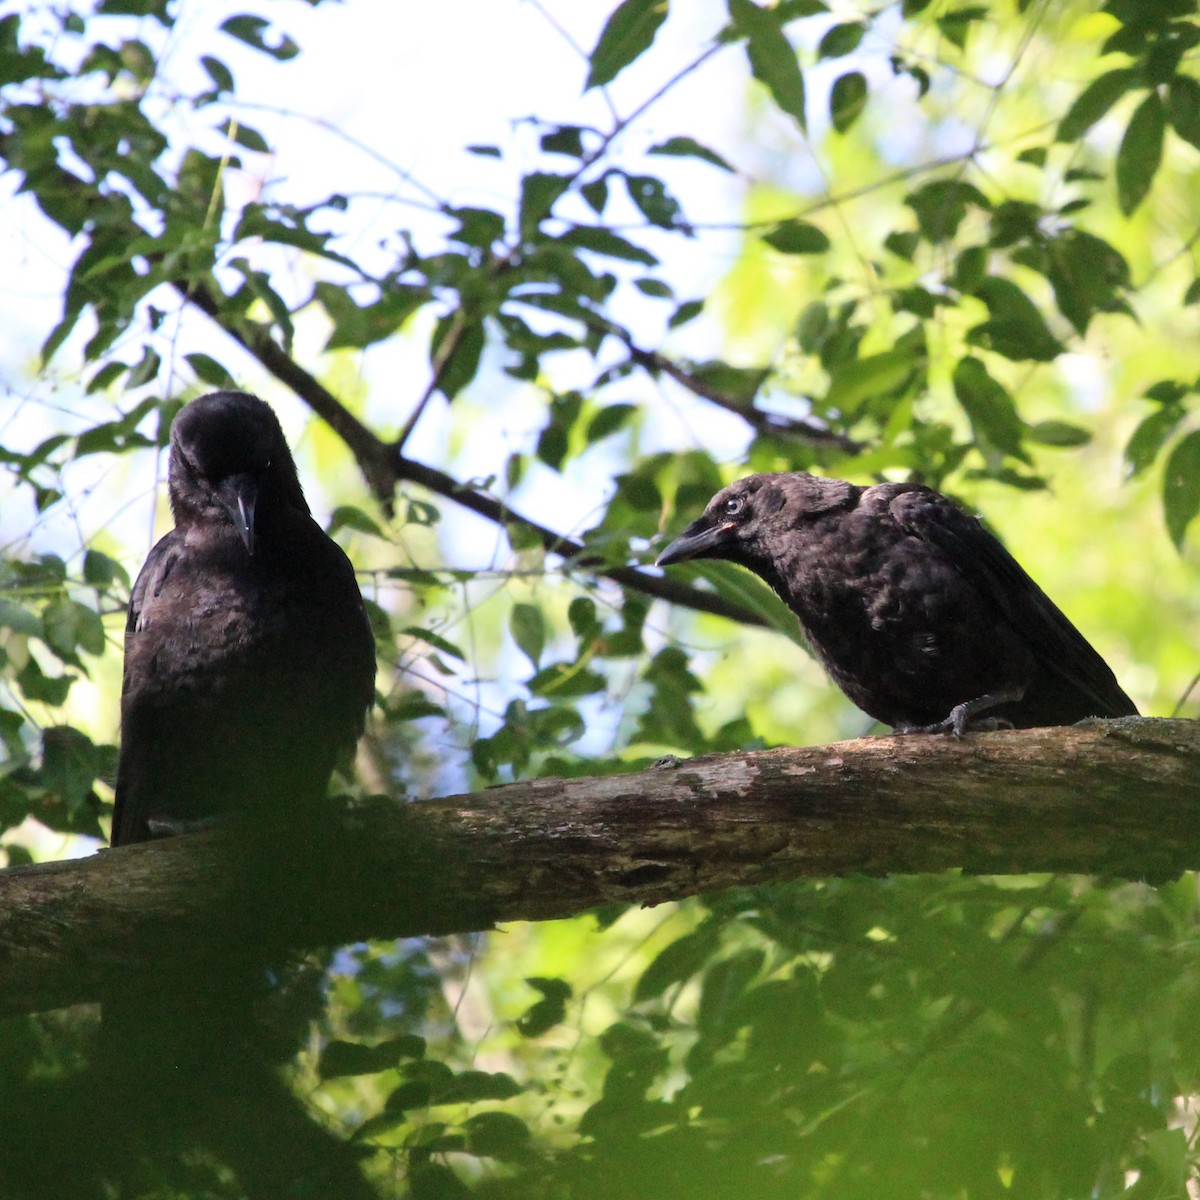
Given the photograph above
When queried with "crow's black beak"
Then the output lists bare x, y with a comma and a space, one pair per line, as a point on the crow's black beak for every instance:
239, 495
699, 540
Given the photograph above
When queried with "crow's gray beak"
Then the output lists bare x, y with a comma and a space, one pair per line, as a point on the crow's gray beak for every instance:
239, 495
698, 540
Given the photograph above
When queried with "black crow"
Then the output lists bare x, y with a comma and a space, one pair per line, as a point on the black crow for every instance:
918, 613
249, 659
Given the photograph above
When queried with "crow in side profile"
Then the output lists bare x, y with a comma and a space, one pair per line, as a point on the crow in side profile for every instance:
918, 613
249, 660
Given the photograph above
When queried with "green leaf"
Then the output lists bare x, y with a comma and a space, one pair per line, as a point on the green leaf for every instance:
841, 39
608, 420
847, 99
35, 684
746, 590
686, 147
903, 245
1057, 433
69, 626
70, 763
1168, 1150
549, 1011
101, 571
463, 362
990, 408
603, 241
253, 31
796, 237
245, 135
956, 24
209, 371
689, 310
596, 194
679, 961
773, 61
218, 72
655, 288
860, 378
628, 32
581, 613
347, 516
1183, 108
1088, 275
942, 205
433, 639
468, 1087
1016, 329
361, 325
146, 370
350, 1058
657, 205
1093, 102
724, 983
539, 192
528, 628
499, 1135
565, 139
479, 227
20, 620
1140, 152
565, 681
1181, 486
739, 383
971, 268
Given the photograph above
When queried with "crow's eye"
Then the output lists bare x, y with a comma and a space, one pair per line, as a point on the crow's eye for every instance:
733, 506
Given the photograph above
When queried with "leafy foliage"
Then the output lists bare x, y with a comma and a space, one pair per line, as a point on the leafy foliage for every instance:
948, 245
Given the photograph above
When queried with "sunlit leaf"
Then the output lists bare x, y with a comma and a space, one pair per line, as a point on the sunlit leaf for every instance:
1181, 486
528, 629
847, 99
1093, 102
254, 31
1140, 152
988, 405
628, 32
687, 147
773, 62
796, 237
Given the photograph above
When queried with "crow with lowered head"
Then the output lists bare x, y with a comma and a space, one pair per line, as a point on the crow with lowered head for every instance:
916, 611
249, 659
249, 669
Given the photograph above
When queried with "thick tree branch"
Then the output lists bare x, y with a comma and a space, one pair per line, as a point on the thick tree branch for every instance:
1117, 798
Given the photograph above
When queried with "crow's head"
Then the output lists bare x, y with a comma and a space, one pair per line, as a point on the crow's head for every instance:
742, 521
229, 459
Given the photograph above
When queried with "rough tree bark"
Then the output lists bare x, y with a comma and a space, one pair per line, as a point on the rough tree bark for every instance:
1118, 798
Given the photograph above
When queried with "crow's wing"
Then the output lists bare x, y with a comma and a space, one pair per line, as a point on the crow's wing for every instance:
1060, 648
154, 574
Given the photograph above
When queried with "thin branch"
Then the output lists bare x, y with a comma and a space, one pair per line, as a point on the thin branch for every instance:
385, 468
577, 553
769, 424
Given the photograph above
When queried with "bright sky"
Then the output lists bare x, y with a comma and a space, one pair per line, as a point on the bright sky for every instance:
385, 97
